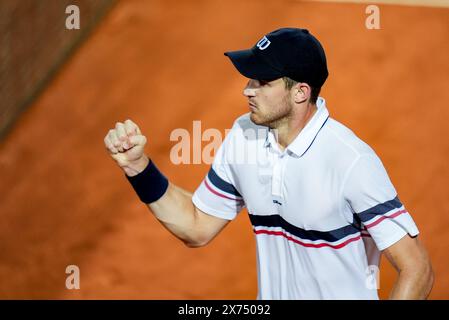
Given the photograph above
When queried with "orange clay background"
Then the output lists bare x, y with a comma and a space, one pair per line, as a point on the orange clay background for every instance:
63, 200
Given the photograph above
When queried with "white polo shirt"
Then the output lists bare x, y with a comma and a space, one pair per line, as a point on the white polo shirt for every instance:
321, 210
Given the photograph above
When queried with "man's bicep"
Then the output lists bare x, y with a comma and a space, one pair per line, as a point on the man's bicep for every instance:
374, 200
406, 253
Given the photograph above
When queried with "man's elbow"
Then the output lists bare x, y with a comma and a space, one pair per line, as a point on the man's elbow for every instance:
429, 276
197, 242
424, 278
191, 244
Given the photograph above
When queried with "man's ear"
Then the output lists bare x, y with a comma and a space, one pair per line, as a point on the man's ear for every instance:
301, 92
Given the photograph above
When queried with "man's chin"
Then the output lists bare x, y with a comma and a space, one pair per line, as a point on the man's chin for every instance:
253, 117
256, 120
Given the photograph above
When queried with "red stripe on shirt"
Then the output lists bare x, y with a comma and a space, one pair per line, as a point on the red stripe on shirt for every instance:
375, 223
217, 193
310, 245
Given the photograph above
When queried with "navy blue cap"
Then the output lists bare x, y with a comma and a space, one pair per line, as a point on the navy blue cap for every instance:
286, 52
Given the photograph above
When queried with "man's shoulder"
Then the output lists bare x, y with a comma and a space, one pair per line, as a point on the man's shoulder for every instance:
344, 138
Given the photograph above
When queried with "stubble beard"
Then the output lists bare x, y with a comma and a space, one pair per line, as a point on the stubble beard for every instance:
273, 119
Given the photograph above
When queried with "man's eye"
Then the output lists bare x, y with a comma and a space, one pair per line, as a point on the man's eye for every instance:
263, 83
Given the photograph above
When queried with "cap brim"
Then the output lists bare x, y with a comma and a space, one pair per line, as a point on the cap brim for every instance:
252, 66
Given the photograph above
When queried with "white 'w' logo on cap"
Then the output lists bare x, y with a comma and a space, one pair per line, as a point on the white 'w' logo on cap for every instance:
263, 43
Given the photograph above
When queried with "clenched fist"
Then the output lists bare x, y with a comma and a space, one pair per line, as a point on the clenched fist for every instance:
125, 144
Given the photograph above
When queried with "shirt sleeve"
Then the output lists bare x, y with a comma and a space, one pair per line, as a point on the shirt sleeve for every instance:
217, 194
373, 198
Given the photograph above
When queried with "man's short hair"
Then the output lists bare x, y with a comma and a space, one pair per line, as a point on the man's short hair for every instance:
290, 83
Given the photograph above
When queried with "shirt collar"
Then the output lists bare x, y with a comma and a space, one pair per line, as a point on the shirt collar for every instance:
305, 138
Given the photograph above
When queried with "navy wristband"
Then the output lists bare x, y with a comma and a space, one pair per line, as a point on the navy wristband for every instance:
150, 184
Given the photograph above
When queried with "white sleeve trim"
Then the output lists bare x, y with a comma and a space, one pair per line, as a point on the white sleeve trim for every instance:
388, 242
211, 211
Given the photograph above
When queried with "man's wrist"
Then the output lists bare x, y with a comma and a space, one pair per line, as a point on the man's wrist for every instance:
150, 184
136, 167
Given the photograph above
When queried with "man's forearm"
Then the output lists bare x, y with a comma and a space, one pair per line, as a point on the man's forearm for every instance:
171, 205
176, 212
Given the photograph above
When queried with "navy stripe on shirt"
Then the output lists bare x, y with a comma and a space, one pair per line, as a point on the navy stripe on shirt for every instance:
221, 184
380, 209
313, 235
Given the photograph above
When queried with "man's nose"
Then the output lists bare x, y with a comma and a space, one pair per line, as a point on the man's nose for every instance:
250, 89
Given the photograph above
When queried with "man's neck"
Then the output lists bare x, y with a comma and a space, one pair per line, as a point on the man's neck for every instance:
289, 129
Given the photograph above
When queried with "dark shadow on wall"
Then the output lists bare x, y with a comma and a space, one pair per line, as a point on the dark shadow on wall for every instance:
34, 44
